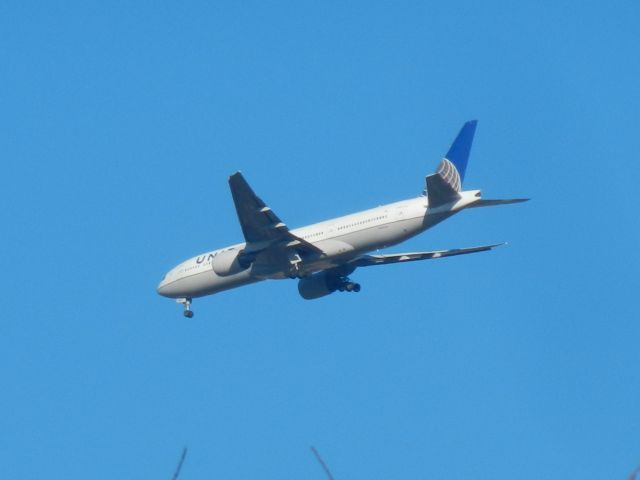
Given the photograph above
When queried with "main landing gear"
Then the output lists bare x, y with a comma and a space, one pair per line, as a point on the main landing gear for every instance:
348, 286
186, 302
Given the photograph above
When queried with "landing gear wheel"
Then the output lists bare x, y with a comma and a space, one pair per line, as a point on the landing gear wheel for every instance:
348, 286
186, 303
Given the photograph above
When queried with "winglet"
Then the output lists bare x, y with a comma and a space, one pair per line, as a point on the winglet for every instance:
458, 154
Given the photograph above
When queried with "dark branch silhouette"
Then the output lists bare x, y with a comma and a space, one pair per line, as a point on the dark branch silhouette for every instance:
322, 464
635, 473
179, 467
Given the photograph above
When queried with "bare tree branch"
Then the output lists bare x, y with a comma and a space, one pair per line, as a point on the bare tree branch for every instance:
179, 467
322, 464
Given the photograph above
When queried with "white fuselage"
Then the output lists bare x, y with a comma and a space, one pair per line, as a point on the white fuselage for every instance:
341, 239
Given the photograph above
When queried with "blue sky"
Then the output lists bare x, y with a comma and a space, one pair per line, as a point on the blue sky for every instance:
120, 124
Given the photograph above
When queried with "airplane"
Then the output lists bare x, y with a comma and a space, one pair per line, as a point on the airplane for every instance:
323, 255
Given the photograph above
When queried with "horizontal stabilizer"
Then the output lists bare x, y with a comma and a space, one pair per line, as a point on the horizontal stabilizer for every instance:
490, 203
439, 191
369, 260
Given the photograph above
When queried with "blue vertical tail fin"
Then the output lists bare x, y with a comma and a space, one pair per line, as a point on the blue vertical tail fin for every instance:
454, 164
458, 154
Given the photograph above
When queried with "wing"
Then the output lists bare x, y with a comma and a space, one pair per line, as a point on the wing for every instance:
483, 202
369, 260
260, 225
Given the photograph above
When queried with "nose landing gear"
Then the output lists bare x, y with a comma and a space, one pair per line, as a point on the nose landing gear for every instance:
186, 302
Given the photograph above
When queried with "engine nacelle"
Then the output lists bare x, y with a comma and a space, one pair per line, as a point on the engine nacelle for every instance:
317, 285
227, 263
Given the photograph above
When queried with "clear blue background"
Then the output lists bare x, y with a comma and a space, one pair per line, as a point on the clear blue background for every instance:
120, 122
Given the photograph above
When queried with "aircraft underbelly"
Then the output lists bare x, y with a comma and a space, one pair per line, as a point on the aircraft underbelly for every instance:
433, 219
384, 236
342, 249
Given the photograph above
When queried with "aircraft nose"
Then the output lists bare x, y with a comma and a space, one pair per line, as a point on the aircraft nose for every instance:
170, 288
163, 289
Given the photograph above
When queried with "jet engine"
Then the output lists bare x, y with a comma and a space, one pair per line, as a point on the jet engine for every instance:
228, 263
324, 283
